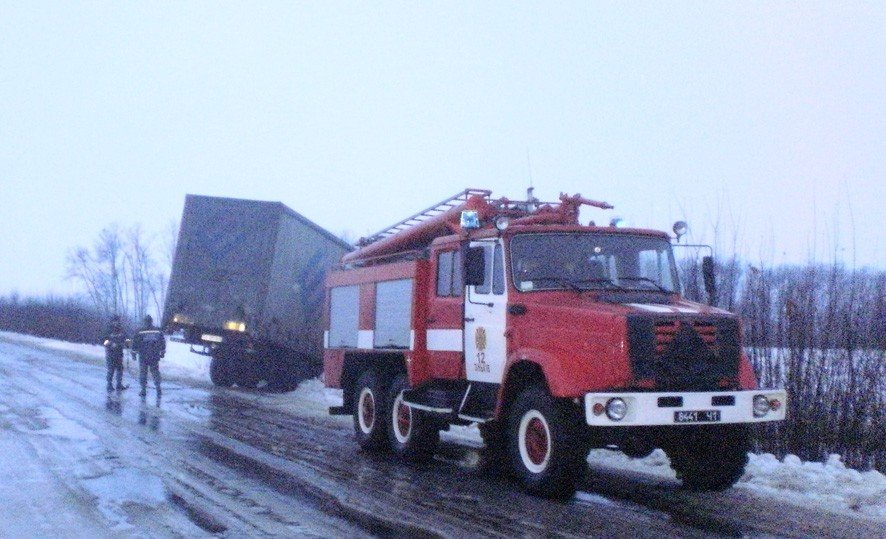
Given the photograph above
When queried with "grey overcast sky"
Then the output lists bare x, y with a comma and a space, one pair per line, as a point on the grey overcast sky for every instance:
761, 122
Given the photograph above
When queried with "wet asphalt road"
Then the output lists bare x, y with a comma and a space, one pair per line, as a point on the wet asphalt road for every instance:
207, 461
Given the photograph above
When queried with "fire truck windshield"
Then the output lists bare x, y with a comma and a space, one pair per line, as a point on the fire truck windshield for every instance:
592, 261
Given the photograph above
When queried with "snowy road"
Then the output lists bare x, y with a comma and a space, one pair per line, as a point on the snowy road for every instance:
78, 464
205, 461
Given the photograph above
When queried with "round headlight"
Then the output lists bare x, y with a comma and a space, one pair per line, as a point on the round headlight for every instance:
502, 222
616, 409
761, 406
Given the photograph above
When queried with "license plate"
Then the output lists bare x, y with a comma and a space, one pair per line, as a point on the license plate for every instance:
697, 416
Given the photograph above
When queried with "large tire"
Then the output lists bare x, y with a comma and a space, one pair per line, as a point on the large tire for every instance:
220, 372
249, 375
370, 411
412, 435
710, 458
494, 455
545, 448
284, 372
636, 447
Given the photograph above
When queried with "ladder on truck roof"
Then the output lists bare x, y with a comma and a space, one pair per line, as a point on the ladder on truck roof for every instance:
429, 213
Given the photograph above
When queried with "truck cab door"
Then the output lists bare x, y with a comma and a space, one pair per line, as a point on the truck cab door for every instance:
445, 335
485, 319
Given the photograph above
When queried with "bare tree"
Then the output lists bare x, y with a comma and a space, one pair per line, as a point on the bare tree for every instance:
140, 268
101, 270
82, 266
160, 279
121, 273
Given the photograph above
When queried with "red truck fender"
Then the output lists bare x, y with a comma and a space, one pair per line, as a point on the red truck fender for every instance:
527, 366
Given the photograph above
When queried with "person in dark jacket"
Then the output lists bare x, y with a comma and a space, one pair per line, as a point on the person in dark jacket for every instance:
150, 345
114, 342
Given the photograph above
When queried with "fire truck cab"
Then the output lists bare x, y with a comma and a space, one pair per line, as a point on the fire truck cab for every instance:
552, 336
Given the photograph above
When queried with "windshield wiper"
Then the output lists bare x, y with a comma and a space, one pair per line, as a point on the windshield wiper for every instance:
574, 285
648, 280
565, 283
602, 280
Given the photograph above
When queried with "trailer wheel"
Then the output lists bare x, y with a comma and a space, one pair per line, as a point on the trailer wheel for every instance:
413, 436
710, 458
220, 372
370, 411
283, 374
249, 375
546, 452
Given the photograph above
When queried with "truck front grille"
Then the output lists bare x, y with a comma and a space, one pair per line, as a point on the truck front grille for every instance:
684, 353
666, 330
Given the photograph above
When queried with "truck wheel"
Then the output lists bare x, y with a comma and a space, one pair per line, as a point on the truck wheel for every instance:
711, 458
637, 452
412, 435
283, 373
636, 447
546, 452
370, 411
494, 455
220, 372
248, 377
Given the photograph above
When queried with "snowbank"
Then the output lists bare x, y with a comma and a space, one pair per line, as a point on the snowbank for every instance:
829, 485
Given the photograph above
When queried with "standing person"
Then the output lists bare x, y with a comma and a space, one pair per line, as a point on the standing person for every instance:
115, 340
150, 345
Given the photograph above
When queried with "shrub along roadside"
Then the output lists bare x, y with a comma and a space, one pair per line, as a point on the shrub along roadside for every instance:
54, 318
818, 331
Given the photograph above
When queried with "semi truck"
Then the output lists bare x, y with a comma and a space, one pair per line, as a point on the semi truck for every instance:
552, 336
247, 287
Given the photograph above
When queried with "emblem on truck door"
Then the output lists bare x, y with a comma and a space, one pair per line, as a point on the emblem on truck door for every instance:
480, 364
480, 339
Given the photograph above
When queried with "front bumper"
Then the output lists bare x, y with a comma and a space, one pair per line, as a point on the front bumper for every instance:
684, 408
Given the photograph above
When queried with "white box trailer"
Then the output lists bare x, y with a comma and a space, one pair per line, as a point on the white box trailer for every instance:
247, 288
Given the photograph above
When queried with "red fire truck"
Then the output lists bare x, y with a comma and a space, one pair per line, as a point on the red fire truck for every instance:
553, 336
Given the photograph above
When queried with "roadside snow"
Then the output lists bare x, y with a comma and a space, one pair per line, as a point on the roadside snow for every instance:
829, 485
314, 390
179, 361
656, 464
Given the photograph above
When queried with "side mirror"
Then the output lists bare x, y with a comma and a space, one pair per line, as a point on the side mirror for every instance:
680, 229
710, 282
475, 266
